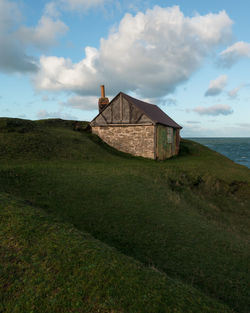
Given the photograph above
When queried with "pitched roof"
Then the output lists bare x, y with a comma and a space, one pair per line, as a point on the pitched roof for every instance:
152, 111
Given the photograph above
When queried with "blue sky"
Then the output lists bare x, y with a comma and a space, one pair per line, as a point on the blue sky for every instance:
192, 58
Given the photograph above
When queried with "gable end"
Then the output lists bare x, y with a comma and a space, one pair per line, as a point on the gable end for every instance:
121, 111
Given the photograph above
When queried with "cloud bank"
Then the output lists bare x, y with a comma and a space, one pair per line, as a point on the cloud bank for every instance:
214, 110
150, 54
43, 114
88, 103
15, 39
12, 56
44, 34
216, 86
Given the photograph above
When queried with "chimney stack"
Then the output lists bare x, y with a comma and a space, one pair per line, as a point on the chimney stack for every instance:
103, 101
102, 91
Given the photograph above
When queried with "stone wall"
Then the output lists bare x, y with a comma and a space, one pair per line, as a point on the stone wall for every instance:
138, 140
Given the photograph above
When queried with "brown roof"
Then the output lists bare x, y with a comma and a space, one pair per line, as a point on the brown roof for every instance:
153, 112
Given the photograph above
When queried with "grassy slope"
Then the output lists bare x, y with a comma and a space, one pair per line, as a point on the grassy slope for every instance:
48, 266
188, 216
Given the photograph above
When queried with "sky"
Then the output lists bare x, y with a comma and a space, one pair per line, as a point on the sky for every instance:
191, 58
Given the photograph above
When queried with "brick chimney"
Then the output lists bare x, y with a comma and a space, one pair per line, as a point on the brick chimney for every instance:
103, 101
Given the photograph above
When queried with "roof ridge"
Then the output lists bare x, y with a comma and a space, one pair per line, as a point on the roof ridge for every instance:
153, 112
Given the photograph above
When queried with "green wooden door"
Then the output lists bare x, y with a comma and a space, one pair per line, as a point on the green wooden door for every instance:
164, 145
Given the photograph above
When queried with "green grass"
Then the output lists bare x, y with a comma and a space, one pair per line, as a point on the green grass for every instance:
49, 266
187, 217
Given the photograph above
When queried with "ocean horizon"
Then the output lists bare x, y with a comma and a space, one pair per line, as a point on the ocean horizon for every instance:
236, 149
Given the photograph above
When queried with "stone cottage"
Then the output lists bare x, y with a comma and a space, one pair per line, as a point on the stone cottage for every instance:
136, 127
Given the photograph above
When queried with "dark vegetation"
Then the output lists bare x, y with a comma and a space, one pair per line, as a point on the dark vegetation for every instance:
179, 229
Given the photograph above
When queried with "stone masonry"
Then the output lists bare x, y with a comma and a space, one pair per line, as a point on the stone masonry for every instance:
138, 140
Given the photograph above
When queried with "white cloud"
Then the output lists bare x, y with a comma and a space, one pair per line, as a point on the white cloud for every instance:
216, 86
15, 39
87, 103
13, 57
51, 9
234, 92
61, 74
44, 34
234, 53
43, 114
217, 109
54, 8
150, 53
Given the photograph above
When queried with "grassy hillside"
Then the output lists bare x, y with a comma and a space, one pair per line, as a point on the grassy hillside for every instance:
49, 266
187, 217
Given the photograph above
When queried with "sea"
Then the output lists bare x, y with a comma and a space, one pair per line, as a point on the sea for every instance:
236, 149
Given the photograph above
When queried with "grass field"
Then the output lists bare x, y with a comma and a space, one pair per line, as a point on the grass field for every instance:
179, 228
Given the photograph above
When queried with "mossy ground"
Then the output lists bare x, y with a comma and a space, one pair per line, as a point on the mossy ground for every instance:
187, 217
